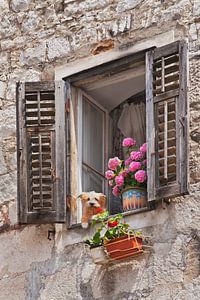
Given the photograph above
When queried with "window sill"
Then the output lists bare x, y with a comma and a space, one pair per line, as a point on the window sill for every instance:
138, 221
127, 213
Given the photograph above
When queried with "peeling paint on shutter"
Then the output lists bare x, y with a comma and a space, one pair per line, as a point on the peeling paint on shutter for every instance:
41, 152
167, 121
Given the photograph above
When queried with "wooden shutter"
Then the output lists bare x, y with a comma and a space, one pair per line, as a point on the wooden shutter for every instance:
41, 152
167, 121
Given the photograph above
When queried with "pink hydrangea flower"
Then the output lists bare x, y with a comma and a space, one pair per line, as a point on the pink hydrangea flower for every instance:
119, 180
128, 161
136, 155
134, 166
116, 191
109, 174
141, 176
128, 142
113, 163
143, 148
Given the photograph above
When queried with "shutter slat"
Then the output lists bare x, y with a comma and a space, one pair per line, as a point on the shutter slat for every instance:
168, 70
42, 113
166, 51
171, 160
167, 95
168, 61
166, 79
170, 143
37, 130
167, 88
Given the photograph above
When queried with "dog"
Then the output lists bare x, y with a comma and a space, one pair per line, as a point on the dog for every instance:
91, 201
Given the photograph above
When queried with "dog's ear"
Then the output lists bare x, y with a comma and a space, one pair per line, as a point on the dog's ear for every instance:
102, 201
83, 196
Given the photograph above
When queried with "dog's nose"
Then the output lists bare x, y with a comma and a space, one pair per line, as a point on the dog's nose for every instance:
92, 204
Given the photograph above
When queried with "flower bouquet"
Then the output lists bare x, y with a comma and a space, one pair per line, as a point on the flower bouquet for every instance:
128, 178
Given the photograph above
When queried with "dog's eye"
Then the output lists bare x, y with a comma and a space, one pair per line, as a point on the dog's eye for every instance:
96, 199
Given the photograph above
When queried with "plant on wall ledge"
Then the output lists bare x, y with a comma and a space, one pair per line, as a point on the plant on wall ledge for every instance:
115, 237
128, 178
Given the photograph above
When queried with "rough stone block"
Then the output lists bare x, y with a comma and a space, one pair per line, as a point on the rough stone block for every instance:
4, 61
124, 5
71, 7
30, 23
19, 5
8, 27
8, 122
34, 56
196, 8
57, 48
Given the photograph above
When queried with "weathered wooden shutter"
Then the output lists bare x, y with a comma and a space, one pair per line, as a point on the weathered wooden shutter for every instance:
41, 152
167, 121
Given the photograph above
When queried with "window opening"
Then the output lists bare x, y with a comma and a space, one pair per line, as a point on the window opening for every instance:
122, 94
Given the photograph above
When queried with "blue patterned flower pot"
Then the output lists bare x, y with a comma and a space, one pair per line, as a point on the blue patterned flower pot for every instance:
134, 198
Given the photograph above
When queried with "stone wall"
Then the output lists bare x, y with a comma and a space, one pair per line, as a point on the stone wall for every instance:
35, 37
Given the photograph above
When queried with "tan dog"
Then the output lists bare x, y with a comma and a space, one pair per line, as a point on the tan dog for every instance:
90, 202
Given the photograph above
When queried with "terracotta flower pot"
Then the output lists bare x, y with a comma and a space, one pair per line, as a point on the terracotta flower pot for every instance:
134, 198
124, 247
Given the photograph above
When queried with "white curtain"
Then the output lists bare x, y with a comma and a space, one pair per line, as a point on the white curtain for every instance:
132, 122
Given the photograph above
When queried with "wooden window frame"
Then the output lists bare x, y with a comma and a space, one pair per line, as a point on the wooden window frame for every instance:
118, 65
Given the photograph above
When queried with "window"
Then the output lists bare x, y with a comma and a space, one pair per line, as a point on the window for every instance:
119, 92
67, 131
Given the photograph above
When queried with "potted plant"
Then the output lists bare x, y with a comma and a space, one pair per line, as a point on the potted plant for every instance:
128, 178
115, 237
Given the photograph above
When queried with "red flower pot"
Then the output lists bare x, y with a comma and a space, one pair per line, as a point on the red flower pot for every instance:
124, 247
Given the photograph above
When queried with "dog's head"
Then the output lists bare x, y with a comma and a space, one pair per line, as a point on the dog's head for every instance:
93, 199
